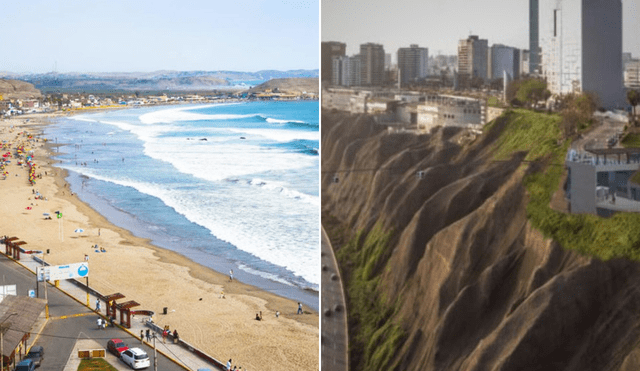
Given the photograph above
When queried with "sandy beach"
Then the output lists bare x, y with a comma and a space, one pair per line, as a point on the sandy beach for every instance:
156, 278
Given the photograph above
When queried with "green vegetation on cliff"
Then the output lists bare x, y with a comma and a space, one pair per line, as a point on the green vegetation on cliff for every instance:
377, 336
538, 133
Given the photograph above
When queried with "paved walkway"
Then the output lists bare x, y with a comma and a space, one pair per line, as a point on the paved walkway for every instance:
177, 353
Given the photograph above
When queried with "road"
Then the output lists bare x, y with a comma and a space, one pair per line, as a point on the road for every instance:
60, 334
334, 336
597, 138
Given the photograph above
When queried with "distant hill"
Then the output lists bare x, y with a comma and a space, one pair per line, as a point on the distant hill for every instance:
289, 85
154, 81
16, 89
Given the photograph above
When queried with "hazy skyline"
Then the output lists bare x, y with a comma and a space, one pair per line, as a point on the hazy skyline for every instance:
438, 25
145, 36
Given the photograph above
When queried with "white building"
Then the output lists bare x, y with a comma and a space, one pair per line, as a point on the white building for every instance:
581, 42
632, 74
340, 70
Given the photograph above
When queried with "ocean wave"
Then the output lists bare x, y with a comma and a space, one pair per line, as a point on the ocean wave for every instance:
279, 121
284, 191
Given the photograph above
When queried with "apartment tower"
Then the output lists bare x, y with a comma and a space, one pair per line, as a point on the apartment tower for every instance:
581, 43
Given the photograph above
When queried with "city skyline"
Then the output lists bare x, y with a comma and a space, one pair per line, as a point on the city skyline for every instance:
440, 25
146, 36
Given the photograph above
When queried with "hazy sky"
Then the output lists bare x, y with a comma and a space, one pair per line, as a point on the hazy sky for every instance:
439, 24
150, 35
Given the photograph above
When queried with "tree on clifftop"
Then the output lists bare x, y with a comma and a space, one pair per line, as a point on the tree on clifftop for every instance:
577, 112
633, 96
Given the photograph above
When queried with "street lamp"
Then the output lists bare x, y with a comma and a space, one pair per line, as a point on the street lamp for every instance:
2, 340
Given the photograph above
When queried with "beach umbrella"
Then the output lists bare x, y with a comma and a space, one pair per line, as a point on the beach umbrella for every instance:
79, 230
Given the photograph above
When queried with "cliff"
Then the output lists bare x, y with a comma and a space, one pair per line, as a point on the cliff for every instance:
15, 89
450, 272
289, 85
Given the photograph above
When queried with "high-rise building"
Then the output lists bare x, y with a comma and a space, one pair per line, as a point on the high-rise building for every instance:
387, 61
472, 60
524, 62
355, 71
346, 71
328, 50
632, 74
413, 63
372, 64
504, 59
340, 70
534, 47
581, 42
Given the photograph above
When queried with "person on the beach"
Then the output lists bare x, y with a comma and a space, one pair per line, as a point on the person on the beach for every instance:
299, 308
176, 337
231, 275
97, 300
277, 314
148, 334
141, 336
229, 365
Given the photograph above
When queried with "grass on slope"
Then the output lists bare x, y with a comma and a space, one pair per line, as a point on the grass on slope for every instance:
631, 140
376, 337
539, 134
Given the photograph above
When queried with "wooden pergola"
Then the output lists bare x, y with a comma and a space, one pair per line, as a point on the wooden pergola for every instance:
12, 247
628, 152
111, 303
125, 310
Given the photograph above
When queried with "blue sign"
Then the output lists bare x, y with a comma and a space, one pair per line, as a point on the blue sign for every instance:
32, 293
83, 270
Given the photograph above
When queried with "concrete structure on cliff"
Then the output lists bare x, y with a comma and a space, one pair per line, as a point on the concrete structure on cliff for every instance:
602, 181
581, 43
419, 111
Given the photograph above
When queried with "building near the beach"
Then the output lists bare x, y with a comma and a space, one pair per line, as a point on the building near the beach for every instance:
329, 50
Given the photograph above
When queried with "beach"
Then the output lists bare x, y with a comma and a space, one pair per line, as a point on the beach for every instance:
224, 327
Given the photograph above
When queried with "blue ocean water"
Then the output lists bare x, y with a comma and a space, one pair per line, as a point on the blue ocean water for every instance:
231, 186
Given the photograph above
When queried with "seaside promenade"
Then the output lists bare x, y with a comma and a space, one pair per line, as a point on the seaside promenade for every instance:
181, 354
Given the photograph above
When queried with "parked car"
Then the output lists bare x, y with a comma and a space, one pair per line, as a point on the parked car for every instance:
26, 365
136, 358
36, 354
116, 346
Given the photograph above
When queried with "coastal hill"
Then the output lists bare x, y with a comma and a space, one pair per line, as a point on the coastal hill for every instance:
153, 81
453, 269
16, 89
289, 85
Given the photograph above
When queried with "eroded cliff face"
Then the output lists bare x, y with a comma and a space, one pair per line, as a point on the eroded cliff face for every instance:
471, 284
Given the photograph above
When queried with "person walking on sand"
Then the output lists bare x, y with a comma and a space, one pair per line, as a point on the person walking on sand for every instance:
299, 308
231, 275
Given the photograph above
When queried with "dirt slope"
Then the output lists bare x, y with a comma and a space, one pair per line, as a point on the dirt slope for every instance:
467, 279
16, 89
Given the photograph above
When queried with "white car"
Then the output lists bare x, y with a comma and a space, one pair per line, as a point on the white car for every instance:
136, 358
